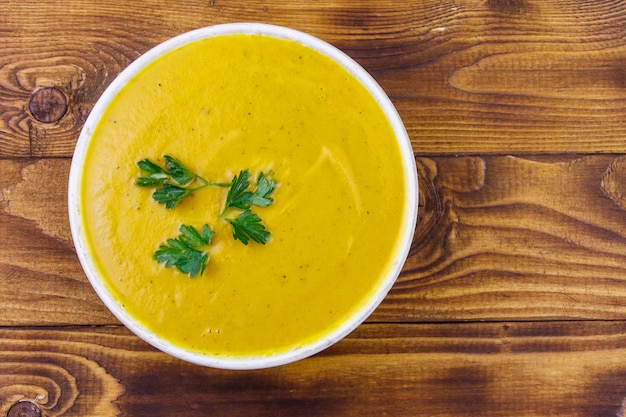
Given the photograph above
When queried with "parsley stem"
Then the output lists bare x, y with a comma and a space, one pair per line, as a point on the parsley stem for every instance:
206, 183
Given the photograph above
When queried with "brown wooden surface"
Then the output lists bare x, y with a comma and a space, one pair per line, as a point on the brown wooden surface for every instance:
513, 299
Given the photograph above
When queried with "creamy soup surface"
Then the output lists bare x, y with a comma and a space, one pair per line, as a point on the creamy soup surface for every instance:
225, 104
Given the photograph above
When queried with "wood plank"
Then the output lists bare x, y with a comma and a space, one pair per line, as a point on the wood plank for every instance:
497, 369
467, 77
41, 280
507, 238
498, 238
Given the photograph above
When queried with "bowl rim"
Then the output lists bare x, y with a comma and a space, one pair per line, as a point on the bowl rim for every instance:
244, 362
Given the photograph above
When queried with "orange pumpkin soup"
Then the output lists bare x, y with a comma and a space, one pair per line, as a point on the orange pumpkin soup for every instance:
221, 105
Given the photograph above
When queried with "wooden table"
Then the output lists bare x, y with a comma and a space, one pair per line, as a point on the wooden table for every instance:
513, 299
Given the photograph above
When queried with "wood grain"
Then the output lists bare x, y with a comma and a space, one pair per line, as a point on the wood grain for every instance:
498, 238
496, 76
512, 238
41, 280
513, 299
517, 369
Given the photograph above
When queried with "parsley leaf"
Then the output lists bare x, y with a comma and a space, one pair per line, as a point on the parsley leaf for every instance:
238, 196
265, 185
192, 237
248, 226
154, 174
183, 252
170, 195
179, 173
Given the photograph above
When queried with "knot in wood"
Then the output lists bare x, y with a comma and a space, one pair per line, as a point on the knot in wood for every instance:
24, 409
47, 104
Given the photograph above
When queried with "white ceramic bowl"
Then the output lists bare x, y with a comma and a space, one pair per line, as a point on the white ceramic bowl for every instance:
78, 233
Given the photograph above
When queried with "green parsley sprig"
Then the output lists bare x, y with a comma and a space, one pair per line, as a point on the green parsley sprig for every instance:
248, 225
185, 251
174, 182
